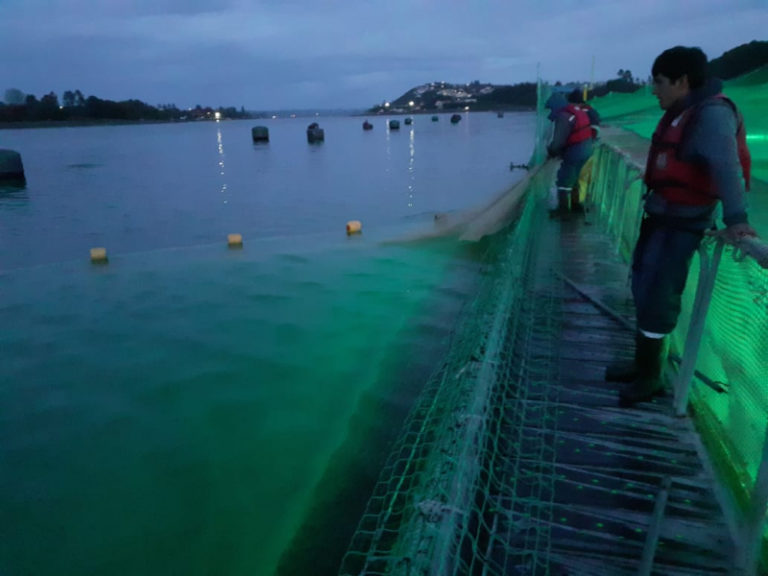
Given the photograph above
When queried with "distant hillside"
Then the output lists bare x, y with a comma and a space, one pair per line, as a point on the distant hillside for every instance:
437, 96
740, 60
444, 96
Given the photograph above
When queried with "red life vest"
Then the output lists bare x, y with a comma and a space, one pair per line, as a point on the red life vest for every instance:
683, 182
593, 127
580, 127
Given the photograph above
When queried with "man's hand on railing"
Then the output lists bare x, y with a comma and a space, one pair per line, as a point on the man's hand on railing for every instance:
734, 233
746, 241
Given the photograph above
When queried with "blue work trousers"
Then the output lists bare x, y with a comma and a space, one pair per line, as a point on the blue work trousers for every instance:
660, 267
574, 158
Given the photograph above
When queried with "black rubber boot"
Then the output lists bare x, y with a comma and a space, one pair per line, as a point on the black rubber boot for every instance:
625, 371
576, 206
649, 359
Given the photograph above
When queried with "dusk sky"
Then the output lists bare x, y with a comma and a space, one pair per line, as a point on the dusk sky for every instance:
306, 54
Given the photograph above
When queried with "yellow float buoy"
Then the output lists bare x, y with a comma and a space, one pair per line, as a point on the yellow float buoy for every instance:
99, 255
354, 227
235, 240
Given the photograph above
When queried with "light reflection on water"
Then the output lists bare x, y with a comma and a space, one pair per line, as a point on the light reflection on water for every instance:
220, 149
411, 167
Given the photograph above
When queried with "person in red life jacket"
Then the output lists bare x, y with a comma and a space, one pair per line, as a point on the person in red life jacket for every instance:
698, 157
571, 141
577, 99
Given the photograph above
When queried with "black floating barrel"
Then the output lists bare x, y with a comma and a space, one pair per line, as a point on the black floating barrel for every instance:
394, 124
260, 134
455, 119
11, 168
315, 133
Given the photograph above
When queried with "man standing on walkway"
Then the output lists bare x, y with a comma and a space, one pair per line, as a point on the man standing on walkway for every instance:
571, 140
698, 156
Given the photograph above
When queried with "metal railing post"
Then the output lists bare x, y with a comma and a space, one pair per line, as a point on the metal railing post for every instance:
704, 290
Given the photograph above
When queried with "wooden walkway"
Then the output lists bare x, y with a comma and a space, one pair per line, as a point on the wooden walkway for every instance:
589, 488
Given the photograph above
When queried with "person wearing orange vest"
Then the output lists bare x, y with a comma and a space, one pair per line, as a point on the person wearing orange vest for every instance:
698, 157
571, 141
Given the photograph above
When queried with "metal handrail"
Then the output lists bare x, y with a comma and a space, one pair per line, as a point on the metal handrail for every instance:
754, 248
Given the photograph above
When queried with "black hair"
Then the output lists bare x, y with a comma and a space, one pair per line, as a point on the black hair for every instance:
682, 60
576, 97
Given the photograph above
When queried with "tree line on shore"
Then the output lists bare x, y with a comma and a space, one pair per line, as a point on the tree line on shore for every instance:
74, 107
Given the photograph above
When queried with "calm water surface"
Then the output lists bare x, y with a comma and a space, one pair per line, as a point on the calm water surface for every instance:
175, 411
138, 188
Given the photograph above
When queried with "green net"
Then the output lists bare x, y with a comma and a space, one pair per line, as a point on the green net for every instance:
410, 524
